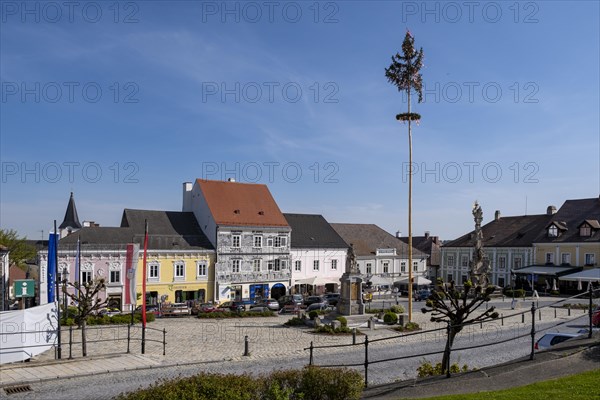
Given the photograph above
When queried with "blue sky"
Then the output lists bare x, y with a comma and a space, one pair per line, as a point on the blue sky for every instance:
122, 102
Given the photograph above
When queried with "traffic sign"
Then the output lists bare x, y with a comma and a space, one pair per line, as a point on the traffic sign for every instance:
24, 288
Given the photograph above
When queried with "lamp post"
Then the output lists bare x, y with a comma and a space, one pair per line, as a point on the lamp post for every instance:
64, 279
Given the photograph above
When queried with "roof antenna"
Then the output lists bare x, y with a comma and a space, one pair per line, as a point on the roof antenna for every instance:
525, 205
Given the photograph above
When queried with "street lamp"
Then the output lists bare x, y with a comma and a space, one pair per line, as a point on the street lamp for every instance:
64, 279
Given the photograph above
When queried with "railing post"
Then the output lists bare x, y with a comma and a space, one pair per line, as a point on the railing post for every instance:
70, 342
246, 352
569, 308
143, 338
164, 341
366, 360
128, 337
591, 312
532, 330
502, 319
310, 359
540, 313
523, 318
353, 335
554, 312
447, 366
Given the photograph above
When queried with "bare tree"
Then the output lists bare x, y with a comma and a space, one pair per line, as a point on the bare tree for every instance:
86, 297
404, 74
454, 307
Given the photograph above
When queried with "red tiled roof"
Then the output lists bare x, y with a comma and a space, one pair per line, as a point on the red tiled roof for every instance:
241, 204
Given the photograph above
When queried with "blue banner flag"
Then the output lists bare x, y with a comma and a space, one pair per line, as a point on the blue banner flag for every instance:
52, 267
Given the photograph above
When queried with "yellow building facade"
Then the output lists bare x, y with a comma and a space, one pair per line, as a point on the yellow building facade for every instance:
177, 277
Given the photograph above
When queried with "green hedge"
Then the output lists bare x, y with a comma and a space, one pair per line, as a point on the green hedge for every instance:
310, 383
390, 318
518, 292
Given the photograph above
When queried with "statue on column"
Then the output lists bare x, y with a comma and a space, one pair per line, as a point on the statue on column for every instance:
479, 266
351, 266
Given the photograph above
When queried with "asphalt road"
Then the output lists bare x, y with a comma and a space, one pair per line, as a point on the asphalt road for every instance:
107, 386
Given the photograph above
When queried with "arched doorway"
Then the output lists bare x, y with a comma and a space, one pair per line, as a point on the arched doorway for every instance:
277, 291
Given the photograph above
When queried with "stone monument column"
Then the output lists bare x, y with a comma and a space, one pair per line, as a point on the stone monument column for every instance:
351, 301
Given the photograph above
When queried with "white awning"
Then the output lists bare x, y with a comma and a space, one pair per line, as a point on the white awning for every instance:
542, 270
585, 275
417, 280
316, 281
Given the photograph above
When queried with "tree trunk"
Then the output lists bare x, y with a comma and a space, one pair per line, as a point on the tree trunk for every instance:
83, 340
446, 359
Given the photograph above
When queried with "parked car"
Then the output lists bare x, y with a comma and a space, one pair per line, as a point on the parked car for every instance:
109, 312
323, 306
422, 294
289, 299
271, 304
332, 298
553, 338
291, 307
175, 310
596, 317
237, 305
206, 308
313, 299
150, 308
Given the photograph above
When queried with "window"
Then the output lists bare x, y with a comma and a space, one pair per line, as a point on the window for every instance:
269, 242
270, 265
403, 266
179, 270
517, 262
549, 258
553, 231
501, 262
464, 278
153, 271
280, 241
257, 241
86, 277
334, 265
115, 276
464, 261
298, 265
415, 266
235, 266
256, 265
590, 259
585, 230
450, 278
236, 241
369, 268
501, 282
386, 267
450, 261
201, 269
565, 258
316, 265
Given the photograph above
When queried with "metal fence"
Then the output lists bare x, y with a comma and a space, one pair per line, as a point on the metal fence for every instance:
148, 335
532, 314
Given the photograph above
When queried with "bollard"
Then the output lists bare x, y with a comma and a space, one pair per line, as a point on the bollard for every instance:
366, 360
128, 337
523, 318
310, 360
532, 331
569, 308
353, 335
502, 319
246, 353
555, 313
164, 341
540, 314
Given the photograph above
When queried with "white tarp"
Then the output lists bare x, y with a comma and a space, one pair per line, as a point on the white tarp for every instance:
40, 322
585, 275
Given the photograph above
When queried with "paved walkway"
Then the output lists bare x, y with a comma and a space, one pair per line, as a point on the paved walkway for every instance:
192, 340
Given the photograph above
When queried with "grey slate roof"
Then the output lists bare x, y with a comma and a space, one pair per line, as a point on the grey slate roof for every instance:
518, 231
430, 245
71, 219
313, 231
367, 238
569, 217
167, 230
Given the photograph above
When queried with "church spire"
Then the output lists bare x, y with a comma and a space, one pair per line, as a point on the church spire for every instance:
71, 222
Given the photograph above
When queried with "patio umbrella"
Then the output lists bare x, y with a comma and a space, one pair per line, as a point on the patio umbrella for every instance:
317, 281
547, 284
417, 280
579, 287
589, 286
554, 285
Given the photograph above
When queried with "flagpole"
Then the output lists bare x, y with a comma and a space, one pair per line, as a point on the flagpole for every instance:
55, 240
144, 287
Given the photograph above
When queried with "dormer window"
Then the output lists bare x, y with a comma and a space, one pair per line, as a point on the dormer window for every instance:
552, 231
585, 230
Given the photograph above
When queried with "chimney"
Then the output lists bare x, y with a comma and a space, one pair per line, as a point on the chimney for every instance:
398, 234
426, 234
230, 179
187, 197
551, 210
90, 224
497, 215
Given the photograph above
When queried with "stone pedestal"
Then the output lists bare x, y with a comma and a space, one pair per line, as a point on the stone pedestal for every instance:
351, 301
